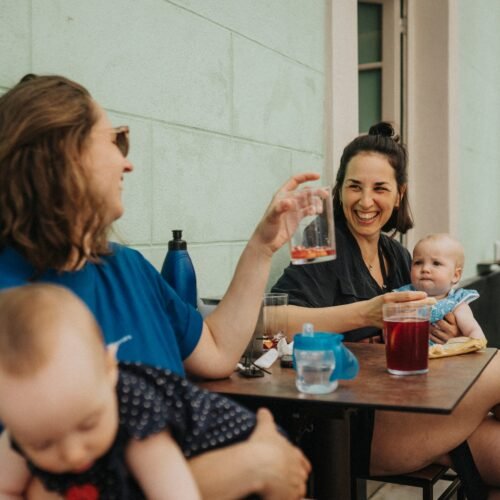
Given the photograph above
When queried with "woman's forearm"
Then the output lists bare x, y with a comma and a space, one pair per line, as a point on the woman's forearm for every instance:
330, 319
225, 473
266, 464
233, 322
347, 317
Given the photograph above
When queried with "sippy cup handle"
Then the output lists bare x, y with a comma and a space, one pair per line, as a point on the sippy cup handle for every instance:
346, 363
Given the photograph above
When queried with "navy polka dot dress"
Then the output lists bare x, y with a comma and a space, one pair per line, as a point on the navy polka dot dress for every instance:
152, 400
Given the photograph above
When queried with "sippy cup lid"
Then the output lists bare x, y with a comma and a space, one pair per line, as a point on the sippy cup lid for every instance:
318, 341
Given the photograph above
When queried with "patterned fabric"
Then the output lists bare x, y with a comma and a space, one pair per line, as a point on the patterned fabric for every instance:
449, 303
152, 400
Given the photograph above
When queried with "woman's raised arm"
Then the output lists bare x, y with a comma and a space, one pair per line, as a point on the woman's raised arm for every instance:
228, 329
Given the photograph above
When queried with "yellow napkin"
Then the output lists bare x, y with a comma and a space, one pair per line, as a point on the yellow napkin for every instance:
455, 346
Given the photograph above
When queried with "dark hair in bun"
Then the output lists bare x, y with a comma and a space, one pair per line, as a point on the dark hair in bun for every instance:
381, 139
384, 129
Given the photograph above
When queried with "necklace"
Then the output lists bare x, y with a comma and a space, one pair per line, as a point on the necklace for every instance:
378, 257
371, 265
371, 256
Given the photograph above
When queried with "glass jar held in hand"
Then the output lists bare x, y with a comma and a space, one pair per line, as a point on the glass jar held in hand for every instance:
310, 226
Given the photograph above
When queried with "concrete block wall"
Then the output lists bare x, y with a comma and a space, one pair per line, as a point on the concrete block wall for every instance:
479, 155
224, 99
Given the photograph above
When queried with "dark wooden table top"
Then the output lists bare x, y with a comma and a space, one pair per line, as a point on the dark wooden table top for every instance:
438, 391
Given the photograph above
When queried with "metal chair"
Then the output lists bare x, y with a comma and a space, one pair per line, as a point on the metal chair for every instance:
424, 478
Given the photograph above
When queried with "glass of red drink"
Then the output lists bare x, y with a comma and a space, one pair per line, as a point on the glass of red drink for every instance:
310, 226
406, 333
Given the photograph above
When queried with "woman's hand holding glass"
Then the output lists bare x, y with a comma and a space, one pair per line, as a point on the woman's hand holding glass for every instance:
373, 311
271, 232
440, 332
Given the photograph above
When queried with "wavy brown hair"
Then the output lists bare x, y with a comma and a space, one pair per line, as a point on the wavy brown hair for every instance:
47, 209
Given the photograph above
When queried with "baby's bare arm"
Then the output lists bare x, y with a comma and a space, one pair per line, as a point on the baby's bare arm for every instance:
156, 463
14, 473
466, 322
160, 468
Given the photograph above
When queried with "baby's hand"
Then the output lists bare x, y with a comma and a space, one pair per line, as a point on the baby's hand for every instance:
444, 329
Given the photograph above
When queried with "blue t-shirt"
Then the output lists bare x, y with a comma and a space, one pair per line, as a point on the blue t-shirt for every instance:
128, 297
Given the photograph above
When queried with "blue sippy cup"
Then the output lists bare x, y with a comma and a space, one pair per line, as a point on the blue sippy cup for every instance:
321, 359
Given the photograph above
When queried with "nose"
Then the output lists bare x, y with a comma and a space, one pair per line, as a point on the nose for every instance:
425, 267
74, 453
128, 167
366, 199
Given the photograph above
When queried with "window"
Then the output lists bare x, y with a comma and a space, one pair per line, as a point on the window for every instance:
370, 64
379, 62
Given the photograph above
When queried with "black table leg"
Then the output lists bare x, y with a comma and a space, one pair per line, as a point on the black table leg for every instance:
332, 458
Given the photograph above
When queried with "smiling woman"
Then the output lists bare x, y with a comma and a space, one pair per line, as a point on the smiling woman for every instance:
105, 160
369, 198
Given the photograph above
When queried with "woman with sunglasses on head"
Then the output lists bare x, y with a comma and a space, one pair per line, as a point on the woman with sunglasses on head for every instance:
62, 165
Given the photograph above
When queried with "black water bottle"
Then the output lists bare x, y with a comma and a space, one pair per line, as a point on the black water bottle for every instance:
178, 269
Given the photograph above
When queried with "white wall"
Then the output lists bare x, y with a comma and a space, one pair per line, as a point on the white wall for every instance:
479, 122
224, 98
430, 111
454, 122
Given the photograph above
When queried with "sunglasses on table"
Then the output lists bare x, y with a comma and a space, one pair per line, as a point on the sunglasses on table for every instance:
121, 139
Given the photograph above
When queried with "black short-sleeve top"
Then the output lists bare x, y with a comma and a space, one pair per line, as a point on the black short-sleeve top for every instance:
346, 279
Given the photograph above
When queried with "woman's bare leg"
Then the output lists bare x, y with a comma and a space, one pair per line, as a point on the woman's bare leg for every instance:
485, 446
404, 442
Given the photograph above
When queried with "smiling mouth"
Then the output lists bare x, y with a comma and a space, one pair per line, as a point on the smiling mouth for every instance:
366, 217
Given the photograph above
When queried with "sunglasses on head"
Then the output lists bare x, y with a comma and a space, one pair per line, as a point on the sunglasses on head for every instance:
122, 141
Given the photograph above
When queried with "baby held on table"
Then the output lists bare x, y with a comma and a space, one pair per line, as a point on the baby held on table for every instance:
436, 268
87, 426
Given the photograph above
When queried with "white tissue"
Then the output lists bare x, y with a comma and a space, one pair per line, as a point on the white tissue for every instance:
284, 348
267, 359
